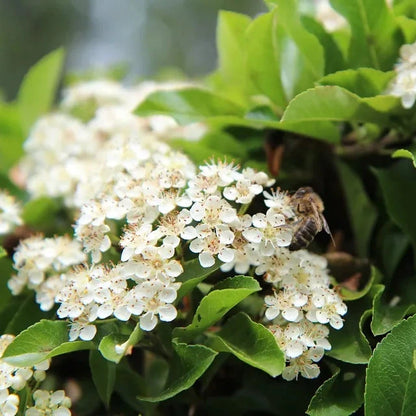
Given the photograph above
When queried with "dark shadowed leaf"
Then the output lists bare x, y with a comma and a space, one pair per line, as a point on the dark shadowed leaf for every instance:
340, 395
391, 375
187, 366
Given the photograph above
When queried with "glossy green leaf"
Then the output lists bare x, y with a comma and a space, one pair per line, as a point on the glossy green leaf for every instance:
45, 339
340, 395
408, 27
375, 37
365, 82
334, 60
103, 374
3, 252
187, 105
250, 342
390, 309
263, 63
391, 375
406, 7
349, 344
193, 274
231, 28
326, 103
187, 366
113, 346
38, 88
397, 183
408, 154
362, 212
299, 68
217, 303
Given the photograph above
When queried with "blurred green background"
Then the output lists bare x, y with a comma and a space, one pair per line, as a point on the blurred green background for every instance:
146, 35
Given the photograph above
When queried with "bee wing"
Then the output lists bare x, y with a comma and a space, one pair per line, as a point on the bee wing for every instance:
326, 228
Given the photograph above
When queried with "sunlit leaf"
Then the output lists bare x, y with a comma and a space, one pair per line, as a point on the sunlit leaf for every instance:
38, 88
217, 303
250, 342
43, 340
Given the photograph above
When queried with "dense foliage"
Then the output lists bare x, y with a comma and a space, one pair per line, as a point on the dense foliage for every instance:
148, 253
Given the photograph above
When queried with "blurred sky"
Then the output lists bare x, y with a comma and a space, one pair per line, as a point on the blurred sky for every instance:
148, 35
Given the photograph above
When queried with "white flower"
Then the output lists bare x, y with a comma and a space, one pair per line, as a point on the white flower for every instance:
47, 403
9, 403
270, 231
10, 211
304, 364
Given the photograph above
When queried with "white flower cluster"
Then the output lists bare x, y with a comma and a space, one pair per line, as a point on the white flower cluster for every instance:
301, 305
46, 403
10, 212
142, 209
40, 263
404, 83
13, 379
76, 160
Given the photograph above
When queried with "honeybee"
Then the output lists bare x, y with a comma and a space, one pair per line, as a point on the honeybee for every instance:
308, 206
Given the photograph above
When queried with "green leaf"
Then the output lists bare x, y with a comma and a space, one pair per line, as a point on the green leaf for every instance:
187, 366
103, 374
299, 68
6, 269
408, 154
349, 344
45, 339
3, 252
38, 88
393, 245
334, 60
40, 210
109, 342
214, 145
362, 213
193, 274
27, 313
350, 295
11, 137
217, 303
188, 105
405, 7
365, 82
391, 375
375, 37
389, 311
340, 395
263, 63
128, 384
231, 53
326, 103
408, 27
250, 342
397, 183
